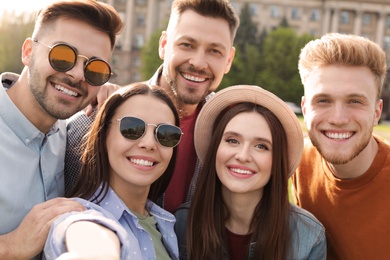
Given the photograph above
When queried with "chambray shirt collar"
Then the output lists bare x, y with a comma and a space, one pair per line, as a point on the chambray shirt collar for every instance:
13, 117
113, 204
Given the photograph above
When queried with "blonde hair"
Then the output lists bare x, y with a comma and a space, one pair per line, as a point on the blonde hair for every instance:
342, 49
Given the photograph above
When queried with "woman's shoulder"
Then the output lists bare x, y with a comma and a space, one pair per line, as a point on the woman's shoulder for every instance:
304, 217
307, 235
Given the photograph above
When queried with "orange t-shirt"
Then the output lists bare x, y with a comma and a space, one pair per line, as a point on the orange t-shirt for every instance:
356, 212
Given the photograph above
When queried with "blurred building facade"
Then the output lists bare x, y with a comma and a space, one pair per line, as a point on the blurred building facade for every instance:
370, 18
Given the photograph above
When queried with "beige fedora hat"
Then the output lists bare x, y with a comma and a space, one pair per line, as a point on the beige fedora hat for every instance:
254, 94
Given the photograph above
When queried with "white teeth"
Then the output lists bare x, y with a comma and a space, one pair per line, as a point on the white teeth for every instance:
240, 171
338, 136
65, 90
141, 162
193, 78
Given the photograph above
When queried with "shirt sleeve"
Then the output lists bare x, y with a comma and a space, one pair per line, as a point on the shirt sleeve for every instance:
55, 243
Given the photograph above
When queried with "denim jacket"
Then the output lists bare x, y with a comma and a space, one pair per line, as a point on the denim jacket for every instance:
308, 234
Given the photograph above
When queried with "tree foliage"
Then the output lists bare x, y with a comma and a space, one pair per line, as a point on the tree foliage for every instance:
149, 56
14, 28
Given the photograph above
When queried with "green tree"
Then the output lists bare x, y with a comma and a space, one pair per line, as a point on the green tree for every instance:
247, 62
14, 28
280, 74
247, 33
149, 56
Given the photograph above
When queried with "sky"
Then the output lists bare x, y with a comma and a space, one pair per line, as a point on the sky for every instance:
23, 5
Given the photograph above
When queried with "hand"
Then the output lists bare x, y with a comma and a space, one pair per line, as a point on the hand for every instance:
88, 240
105, 91
28, 239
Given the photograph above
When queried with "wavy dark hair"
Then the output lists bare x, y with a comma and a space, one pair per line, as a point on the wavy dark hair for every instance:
95, 164
206, 233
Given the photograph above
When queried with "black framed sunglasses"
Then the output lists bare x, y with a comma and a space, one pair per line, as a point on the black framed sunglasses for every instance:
63, 57
133, 128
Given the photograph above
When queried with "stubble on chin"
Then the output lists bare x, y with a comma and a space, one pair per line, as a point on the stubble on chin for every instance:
339, 156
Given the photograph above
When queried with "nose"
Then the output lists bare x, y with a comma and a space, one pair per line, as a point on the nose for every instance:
198, 60
243, 154
338, 115
148, 141
77, 72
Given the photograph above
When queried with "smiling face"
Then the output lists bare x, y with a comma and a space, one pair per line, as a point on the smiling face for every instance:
61, 94
135, 165
197, 52
244, 155
341, 108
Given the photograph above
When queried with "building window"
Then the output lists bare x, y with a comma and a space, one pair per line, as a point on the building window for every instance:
275, 11
315, 15
367, 18
314, 32
235, 6
386, 43
136, 61
344, 17
141, 20
254, 9
295, 13
141, 2
138, 41
388, 21
135, 77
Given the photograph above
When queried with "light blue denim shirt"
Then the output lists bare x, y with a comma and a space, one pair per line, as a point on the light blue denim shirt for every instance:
136, 243
32, 163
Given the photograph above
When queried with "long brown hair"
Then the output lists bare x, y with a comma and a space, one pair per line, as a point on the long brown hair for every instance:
95, 164
206, 235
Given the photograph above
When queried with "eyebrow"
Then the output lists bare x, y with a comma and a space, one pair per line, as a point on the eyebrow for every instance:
354, 95
192, 40
257, 139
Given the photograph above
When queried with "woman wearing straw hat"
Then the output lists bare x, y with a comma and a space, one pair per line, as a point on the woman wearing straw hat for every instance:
249, 142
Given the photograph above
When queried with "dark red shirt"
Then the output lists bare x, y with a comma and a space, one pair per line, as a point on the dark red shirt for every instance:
176, 192
238, 245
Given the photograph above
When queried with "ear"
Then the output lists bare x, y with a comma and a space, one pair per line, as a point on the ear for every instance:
27, 51
303, 106
161, 45
230, 60
378, 111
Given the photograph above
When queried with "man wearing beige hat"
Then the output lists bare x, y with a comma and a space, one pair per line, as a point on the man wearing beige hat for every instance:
344, 175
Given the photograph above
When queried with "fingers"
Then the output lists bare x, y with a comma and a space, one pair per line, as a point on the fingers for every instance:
88, 110
105, 91
28, 239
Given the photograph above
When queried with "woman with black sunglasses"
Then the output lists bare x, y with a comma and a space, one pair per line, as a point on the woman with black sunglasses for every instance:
128, 161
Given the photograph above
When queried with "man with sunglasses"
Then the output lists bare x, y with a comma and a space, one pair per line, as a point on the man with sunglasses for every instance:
197, 49
65, 65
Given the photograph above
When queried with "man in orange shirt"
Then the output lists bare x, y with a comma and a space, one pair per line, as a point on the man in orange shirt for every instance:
344, 175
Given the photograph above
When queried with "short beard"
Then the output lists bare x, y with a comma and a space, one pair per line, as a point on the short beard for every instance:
337, 159
38, 90
182, 99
